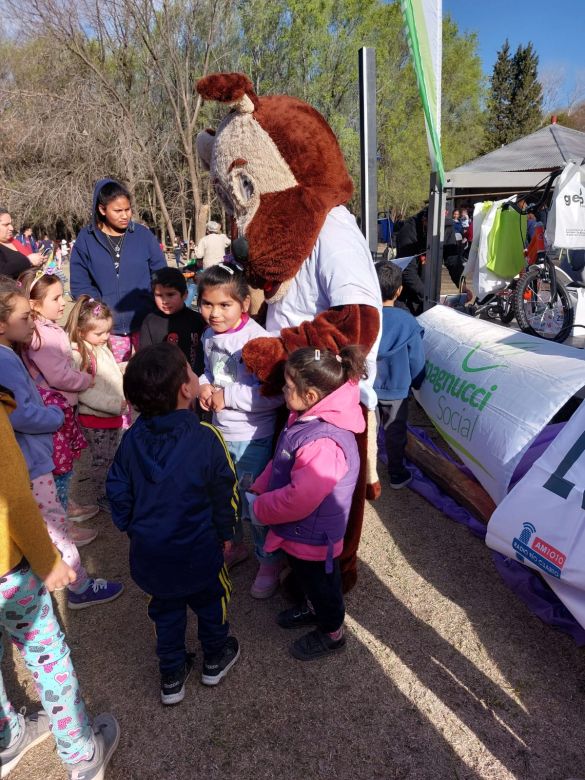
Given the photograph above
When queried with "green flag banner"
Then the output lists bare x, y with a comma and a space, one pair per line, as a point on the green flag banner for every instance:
423, 25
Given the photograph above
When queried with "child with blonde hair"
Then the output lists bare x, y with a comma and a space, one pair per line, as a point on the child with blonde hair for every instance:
101, 405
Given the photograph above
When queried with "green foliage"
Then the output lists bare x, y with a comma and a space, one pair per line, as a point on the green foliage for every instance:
306, 48
515, 98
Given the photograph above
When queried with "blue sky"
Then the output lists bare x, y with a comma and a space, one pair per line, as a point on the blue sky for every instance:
555, 27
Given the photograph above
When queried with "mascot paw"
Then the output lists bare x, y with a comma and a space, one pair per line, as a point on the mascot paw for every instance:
265, 357
373, 491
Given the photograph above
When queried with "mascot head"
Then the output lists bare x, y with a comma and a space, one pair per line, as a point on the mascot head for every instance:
278, 169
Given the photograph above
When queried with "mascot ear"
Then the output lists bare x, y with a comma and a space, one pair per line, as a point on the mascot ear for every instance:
236, 89
204, 144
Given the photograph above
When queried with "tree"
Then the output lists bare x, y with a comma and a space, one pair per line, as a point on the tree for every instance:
515, 98
109, 88
527, 94
499, 108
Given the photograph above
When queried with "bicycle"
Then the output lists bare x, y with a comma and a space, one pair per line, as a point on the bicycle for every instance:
536, 298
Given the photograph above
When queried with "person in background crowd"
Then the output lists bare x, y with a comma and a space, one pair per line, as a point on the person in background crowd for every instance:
177, 252
411, 239
45, 244
13, 259
26, 238
212, 247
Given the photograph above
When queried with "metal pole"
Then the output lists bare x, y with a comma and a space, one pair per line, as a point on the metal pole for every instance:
368, 146
435, 235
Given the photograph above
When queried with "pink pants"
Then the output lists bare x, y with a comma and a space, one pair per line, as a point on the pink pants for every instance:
122, 348
45, 493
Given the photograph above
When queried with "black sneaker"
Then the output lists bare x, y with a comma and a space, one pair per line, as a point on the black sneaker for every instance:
400, 479
172, 685
315, 644
296, 617
216, 667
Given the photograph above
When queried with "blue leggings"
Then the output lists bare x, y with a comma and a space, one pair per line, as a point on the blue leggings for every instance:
250, 459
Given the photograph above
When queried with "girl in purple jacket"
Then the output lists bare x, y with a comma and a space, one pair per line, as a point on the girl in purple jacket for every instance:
304, 494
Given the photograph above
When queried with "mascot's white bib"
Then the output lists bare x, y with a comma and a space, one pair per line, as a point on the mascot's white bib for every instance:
339, 271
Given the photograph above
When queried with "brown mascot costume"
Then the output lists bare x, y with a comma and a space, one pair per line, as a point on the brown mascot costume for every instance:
279, 171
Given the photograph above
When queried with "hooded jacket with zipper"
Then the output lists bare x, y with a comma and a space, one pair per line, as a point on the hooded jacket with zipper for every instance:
34, 423
128, 292
401, 357
173, 488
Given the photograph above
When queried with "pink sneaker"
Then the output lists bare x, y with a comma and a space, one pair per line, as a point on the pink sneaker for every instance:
81, 536
237, 554
79, 513
267, 580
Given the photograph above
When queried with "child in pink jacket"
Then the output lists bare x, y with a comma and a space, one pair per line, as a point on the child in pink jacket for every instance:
304, 494
50, 363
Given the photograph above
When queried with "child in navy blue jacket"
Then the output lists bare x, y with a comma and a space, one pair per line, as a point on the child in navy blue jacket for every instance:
173, 488
400, 366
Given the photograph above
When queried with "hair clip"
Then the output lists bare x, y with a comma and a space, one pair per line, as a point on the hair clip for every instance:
226, 268
317, 354
91, 300
39, 275
339, 358
97, 310
19, 284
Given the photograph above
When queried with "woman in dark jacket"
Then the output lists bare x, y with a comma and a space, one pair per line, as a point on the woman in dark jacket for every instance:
13, 262
113, 259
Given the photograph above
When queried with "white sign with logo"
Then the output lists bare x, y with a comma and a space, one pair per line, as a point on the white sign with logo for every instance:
541, 522
490, 390
565, 226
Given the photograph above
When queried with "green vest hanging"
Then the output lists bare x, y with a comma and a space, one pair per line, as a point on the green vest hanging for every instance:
505, 255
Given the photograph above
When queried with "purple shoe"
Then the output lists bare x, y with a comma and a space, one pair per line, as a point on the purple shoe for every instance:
97, 592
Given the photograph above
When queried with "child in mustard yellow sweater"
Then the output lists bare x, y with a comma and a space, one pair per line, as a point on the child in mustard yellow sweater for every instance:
27, 560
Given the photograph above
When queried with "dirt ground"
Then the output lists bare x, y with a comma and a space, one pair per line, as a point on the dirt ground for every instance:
446, 675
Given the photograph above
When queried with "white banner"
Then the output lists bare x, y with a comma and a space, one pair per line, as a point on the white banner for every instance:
565, 226
541, 522
490, 390
423, 21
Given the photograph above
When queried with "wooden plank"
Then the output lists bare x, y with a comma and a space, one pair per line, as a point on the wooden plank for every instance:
448, 477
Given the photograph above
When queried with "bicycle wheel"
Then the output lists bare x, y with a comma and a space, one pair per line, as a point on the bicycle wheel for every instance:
535, 312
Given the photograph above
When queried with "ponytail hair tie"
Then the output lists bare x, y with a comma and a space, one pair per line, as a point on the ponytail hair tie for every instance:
317, 354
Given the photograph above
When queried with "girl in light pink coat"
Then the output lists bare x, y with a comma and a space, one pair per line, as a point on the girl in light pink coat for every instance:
49, 360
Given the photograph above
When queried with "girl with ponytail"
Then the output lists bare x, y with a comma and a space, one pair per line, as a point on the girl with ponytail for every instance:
304, 494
